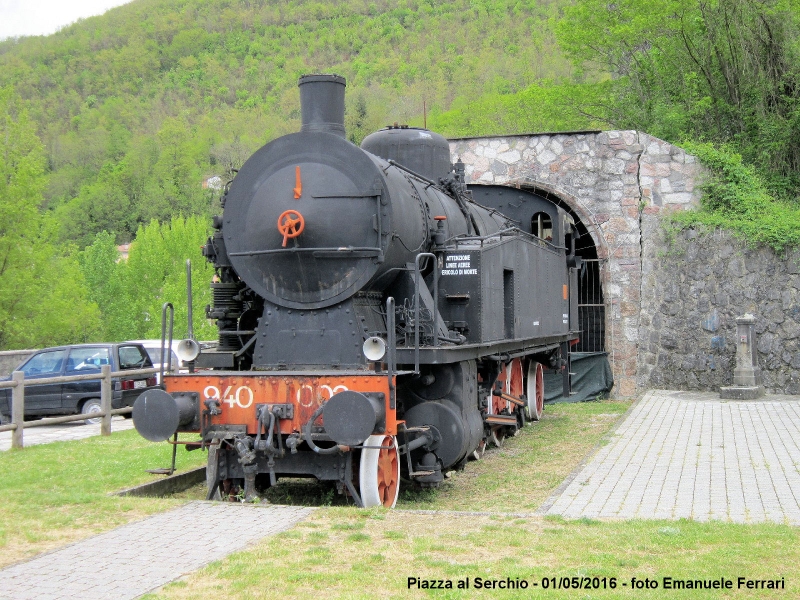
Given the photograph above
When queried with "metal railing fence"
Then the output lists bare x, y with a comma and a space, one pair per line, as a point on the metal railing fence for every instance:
591, 308
17, 385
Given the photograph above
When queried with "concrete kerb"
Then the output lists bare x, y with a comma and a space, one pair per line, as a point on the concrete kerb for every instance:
551, 499
171, 484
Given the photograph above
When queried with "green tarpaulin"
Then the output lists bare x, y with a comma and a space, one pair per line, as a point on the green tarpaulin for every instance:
591, 378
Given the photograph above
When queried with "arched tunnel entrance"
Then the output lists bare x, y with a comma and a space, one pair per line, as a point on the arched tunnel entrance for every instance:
591, 301
591, 372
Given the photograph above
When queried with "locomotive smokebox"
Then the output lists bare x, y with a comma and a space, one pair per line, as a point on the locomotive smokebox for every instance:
351, 417
322, 103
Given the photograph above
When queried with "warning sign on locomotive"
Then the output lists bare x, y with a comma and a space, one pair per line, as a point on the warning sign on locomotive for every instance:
458, 264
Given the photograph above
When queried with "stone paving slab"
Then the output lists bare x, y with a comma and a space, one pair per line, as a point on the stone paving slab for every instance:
691, 455
63, 433
133, 559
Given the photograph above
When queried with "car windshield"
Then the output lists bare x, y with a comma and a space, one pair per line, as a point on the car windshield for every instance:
87, 359
133, 357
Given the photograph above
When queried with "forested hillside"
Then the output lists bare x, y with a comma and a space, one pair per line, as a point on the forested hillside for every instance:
136, 107
110, 127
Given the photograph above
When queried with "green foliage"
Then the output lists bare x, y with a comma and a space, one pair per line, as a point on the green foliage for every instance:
736, 197
42, 298
726, 71
131, 293
542, 107
138, 106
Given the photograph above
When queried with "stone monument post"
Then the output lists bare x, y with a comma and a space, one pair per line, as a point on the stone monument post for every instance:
747, 382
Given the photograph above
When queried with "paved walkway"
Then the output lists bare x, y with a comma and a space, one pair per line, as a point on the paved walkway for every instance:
136, 558
62, 433
692, 455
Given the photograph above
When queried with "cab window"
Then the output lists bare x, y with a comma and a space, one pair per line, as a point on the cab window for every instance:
542, 226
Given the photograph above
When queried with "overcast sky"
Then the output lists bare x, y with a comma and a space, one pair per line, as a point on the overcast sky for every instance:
43, 17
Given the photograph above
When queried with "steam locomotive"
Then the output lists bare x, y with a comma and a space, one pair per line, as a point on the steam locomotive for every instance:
378, 318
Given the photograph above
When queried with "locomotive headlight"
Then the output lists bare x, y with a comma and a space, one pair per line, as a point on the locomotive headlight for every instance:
374, 348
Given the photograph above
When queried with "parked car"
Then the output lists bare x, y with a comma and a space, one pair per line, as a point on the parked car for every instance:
79, 396
153, 348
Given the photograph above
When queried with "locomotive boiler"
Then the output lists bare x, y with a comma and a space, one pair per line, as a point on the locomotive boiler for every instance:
378, 318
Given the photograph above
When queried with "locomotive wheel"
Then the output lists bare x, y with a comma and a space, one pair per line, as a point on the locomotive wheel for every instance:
478, 453
535, 391
379, 472
498, 436
232, 490
499, 405
515, 387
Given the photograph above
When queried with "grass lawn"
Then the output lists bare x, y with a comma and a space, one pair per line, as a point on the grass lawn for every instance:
58, 493
350, 554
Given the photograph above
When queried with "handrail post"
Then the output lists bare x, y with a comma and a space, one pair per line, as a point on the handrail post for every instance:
105, 399
416, 305
391, 340
190, 332
18, 408
166, 306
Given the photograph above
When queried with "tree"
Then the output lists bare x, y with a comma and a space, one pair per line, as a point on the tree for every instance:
720, 70
42, 299
131, 292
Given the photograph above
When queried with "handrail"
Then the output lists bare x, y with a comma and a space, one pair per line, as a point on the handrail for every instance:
506, 232
391, 359
416, 305
334, 251
164, 308
190, 332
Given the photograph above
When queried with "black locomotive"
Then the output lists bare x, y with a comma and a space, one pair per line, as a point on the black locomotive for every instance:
377, 317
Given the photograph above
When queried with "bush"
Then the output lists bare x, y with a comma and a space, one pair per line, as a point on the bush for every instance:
735, 197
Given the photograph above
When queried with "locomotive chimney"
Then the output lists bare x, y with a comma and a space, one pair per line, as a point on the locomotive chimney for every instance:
322, 103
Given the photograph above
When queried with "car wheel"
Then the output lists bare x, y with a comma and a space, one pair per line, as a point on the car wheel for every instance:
89, 407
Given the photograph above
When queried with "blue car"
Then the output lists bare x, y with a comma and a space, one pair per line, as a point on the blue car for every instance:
77, 397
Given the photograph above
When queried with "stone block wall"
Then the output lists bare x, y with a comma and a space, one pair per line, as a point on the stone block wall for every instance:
694, 286
11, 359
616, 181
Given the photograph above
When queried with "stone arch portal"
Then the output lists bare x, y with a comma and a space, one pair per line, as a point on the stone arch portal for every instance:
615, 184
591, 247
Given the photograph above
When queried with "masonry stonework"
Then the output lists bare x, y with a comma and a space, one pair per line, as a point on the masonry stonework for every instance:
618, 182
695, 284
